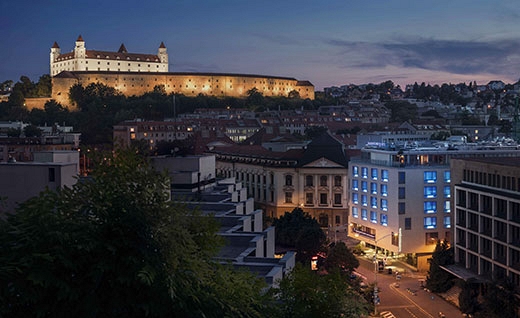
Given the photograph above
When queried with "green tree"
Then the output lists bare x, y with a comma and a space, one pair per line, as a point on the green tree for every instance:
468, 302
401, 111
254, 97
339, 257
500, 300
32, 131
114, 246
439, 280
14, 132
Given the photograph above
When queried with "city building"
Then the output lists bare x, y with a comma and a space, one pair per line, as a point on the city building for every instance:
487, 219
401, 198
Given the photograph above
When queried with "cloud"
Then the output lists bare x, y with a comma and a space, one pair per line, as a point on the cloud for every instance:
457, 57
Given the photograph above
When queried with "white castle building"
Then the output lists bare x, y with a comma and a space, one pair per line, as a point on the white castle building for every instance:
81, 59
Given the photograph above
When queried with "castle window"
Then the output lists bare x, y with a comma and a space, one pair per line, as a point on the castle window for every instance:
118, 64
99, 62
138, 65
148, 65
128, 64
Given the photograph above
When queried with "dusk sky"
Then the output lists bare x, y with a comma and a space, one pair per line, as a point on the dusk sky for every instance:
329, 43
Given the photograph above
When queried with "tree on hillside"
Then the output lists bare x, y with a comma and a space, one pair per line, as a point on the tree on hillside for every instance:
114, 246
401, 111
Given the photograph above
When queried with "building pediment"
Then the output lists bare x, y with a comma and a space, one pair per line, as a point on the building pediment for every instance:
322, 163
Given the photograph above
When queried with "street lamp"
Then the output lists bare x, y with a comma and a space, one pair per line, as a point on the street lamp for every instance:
376, 291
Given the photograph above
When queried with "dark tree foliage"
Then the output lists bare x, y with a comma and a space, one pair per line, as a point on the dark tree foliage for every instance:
339, 257
312, 132
439, 280
300, 231
401, 111
32, 131
114, 246
468, 301
500, 300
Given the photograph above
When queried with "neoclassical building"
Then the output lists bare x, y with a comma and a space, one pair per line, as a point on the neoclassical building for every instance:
136, 74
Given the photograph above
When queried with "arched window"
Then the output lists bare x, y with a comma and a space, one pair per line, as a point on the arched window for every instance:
288, 180
323, 181
309, 181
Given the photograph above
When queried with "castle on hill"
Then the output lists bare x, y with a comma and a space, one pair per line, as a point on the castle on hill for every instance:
136, 74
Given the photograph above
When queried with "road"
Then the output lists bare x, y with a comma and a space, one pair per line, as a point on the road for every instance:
407, 300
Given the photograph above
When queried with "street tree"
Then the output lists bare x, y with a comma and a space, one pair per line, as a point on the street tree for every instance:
439, 280
339, 257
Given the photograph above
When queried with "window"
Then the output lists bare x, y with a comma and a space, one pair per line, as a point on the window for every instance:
364, 186
338, 219
337, 181
373, 216
373, 187
337, 199
447, 222
355, 171
447, 207
364, 215
447, 176
402, 177
288, 180
447, 192
402, 193
364, 200
323, 181
430, 192
373, 202
52, 175
355, 184
309, 182
401, 208
364, 172
288, 197
383, 219
373, 173
355, 198
430, 176
384, 190
323, 199
430, 222
355, 212
384, 204
431, 238
384, 175
430, 207
309, 198
408, 223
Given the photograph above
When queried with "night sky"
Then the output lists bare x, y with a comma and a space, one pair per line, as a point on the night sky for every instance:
329, 43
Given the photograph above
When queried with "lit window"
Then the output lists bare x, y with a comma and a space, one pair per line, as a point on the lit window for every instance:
364, 215
430, 176
430, 192
364, 172
364, 186
373, 217
384, 204
355, 212
447, 176
447, 192
309, 198
383, 219
373, 173
430, 207
373, 187
373, 202
355, 171
447, 207
430, 222
355, 198
384, 175
355, 185
447, 222
384, 190
364, 200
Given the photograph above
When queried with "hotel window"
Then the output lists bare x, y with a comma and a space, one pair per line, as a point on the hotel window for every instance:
373, 187
364, 200
288, 180
430, 176
309, 181
384, 190
309, 198
337, 181
384, 175
401, 208
288, 197
447, 207
430, 207
447, 222
373, 216
323, 181
383, 218
323, 199
430, 192
337, 199
355, 212
373, 202
355, 171
364, 172
384, 204
355, 198
355, 185
364, 186
402, 193
402, 177
373, 173
364, 215
447, 192
408, 223
447, 176
430, 222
